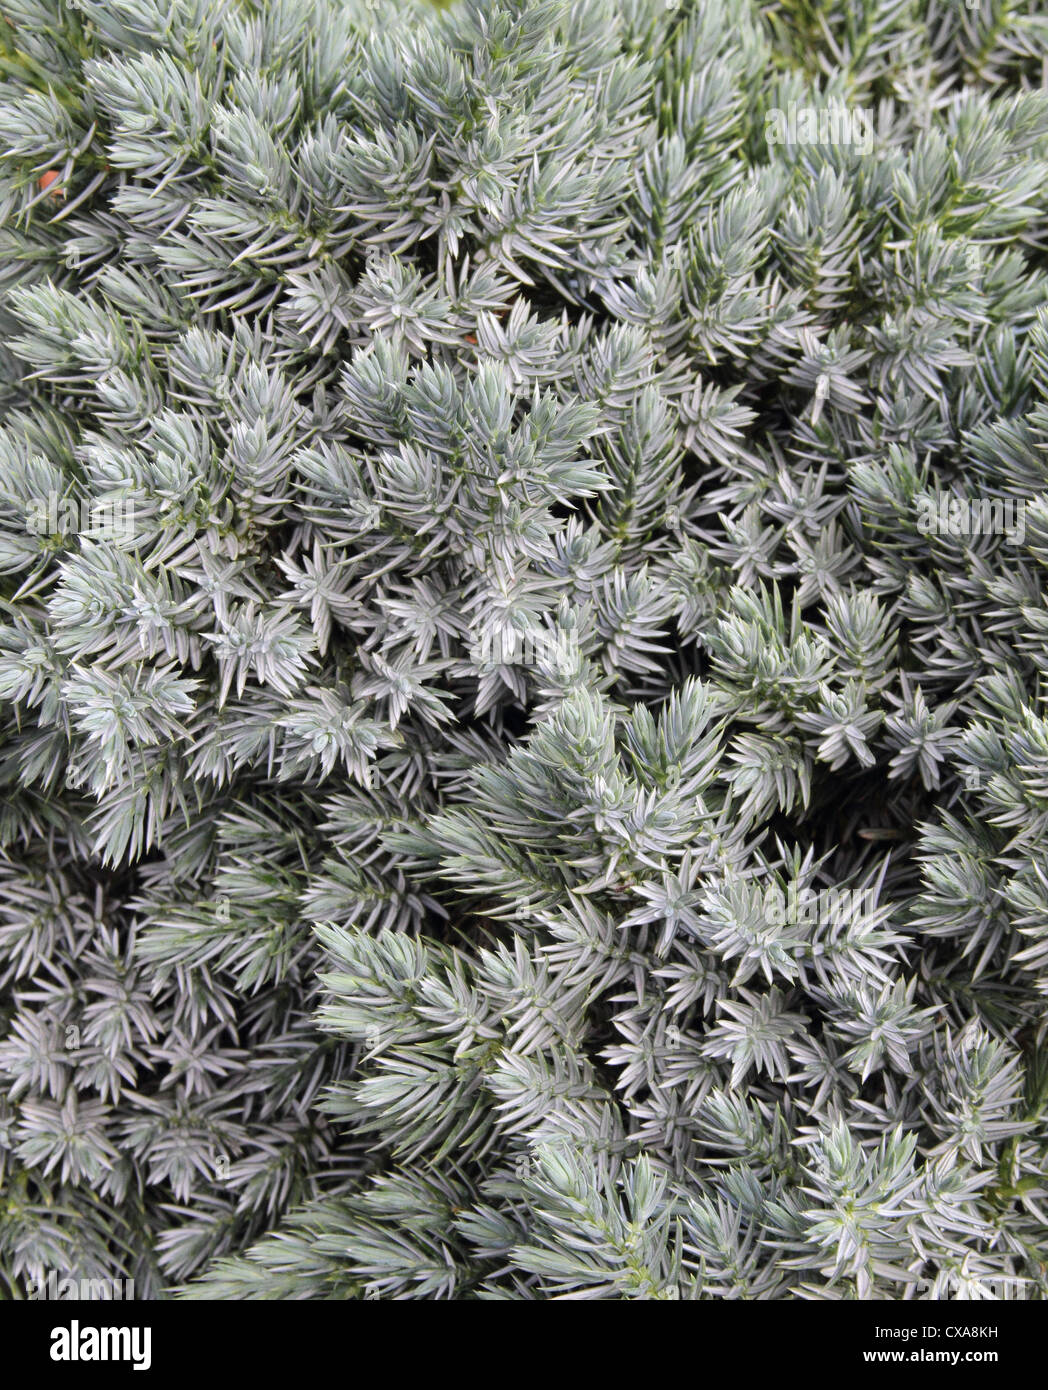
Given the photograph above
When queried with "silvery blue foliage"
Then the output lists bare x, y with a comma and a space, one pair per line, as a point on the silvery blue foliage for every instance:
523, 647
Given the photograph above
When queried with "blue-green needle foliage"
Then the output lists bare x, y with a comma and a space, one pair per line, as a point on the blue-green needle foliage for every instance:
693, 941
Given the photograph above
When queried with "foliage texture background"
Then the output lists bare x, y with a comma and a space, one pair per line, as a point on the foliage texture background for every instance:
340, 958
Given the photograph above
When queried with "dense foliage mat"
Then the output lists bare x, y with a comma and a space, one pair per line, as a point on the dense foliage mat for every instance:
523, 647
